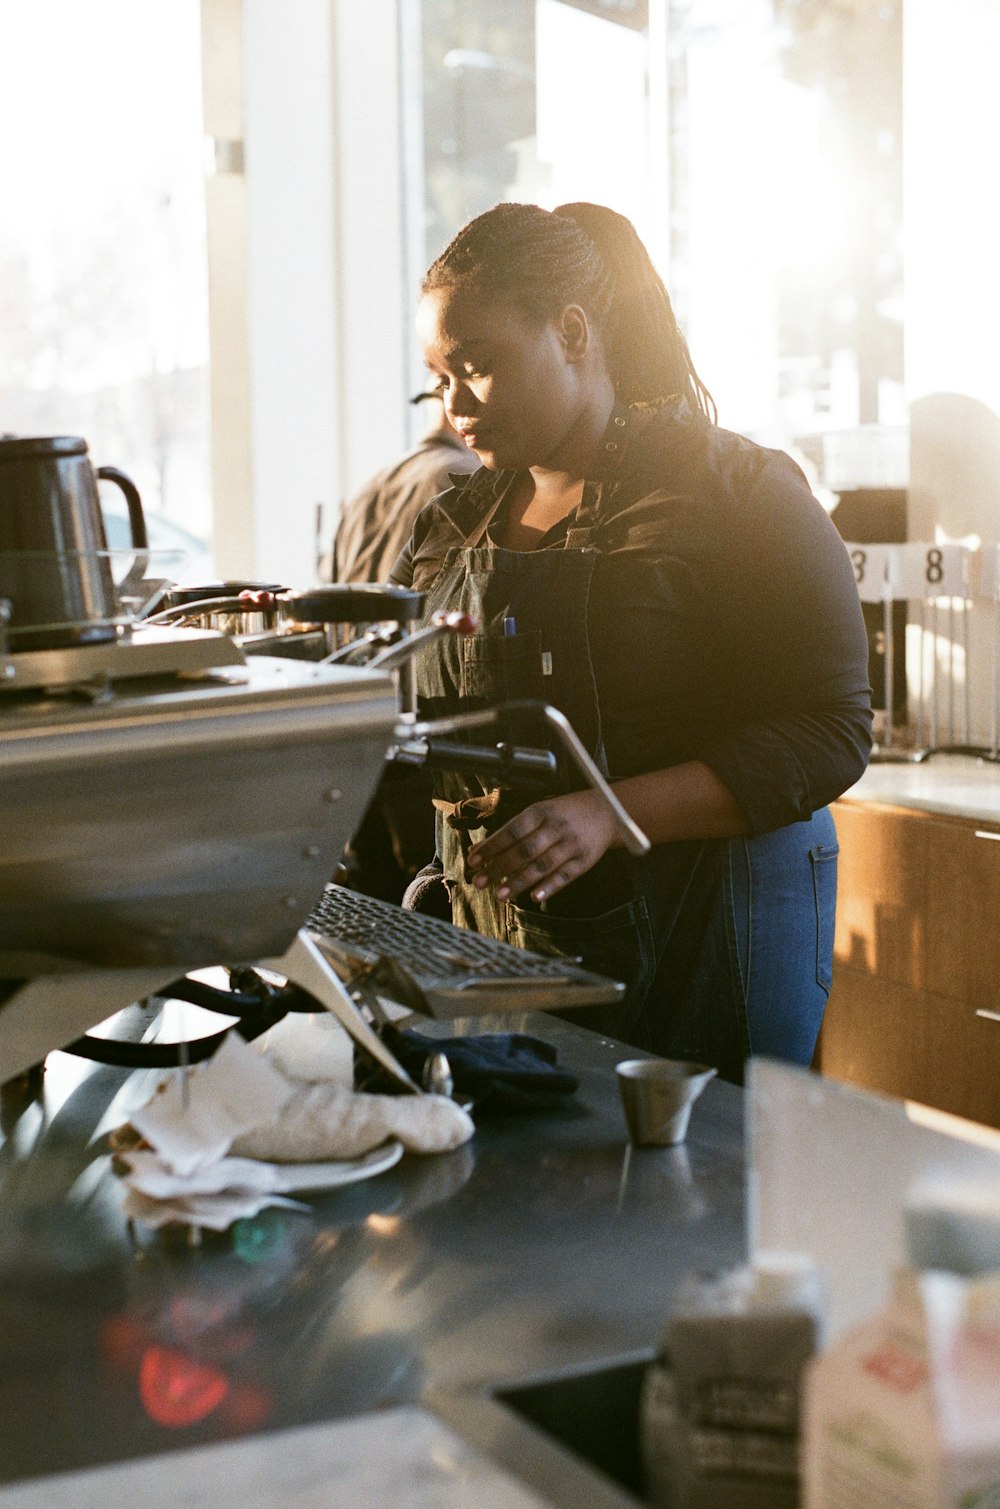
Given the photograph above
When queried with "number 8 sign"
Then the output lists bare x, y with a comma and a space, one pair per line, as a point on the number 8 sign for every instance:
928, 571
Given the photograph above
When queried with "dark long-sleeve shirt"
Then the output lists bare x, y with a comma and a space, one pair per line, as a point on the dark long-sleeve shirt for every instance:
723, 619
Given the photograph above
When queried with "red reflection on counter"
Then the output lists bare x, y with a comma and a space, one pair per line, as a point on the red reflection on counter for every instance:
122, 1341
247, 1407
211, 1322
177, 1391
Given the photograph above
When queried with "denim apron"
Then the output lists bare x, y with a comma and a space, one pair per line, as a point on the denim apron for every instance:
691, 927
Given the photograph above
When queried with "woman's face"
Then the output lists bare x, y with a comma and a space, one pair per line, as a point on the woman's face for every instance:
515, 390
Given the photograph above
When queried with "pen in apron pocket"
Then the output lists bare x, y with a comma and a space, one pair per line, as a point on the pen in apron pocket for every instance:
510, 628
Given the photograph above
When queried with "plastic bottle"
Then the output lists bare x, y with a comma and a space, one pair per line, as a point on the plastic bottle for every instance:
720, 1406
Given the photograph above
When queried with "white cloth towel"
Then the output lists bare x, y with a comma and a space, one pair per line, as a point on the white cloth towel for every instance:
329, 1121
242, 1105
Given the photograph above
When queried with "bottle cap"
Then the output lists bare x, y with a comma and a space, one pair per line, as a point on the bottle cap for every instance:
785, 1281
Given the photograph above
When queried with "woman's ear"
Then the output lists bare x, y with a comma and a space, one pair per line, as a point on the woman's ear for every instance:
574, 332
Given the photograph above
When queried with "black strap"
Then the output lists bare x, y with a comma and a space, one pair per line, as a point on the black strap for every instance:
257, 1007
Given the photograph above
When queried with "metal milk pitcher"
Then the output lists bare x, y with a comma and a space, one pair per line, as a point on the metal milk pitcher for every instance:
55, 572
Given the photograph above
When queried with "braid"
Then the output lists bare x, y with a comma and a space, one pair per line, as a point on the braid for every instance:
580, 254
648, 354
525, 253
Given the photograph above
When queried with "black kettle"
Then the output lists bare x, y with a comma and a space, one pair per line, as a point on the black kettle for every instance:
55, 572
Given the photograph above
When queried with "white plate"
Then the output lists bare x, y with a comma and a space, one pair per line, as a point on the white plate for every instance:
295, 1178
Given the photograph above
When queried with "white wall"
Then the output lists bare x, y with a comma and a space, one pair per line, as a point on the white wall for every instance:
951, 140
225, 206
306, 292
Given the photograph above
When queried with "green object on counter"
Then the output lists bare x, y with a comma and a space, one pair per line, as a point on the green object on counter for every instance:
258, 1238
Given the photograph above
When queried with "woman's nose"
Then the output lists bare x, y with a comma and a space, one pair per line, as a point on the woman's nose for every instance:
460, 402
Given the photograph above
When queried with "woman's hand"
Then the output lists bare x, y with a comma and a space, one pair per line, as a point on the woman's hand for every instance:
553, 841
546, 846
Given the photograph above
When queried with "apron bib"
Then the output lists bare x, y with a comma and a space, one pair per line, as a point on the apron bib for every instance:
532, 642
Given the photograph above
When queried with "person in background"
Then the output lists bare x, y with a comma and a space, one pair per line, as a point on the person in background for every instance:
396, 835
375, 524
680, 595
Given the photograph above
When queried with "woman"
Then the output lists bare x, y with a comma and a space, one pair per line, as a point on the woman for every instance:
680, 595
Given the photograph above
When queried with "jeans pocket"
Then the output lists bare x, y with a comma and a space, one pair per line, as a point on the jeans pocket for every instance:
824, 872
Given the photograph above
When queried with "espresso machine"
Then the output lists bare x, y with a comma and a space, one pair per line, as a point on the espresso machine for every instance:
177, 797
170, 802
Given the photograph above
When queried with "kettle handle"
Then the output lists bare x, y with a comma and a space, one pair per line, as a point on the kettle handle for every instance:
137, 526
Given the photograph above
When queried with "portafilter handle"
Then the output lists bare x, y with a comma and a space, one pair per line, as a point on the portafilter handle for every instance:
358, 603
441, 623
352, 603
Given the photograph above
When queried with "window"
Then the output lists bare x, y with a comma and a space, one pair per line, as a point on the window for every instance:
544, 101
103, 273
756, 145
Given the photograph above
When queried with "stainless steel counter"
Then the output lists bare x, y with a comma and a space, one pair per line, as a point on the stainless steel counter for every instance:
540, 1247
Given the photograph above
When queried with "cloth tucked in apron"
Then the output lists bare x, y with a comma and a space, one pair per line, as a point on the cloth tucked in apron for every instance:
663, 924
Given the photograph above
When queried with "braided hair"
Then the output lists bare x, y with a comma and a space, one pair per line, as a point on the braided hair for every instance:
582, 254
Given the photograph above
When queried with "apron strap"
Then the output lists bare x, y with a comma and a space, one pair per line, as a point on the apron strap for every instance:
477, 534
470, 811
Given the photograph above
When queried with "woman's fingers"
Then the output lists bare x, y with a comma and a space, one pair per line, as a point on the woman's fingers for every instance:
553, 868
515, 854
542, 849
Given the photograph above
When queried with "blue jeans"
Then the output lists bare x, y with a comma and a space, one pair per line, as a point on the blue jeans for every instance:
745, 966
749, 963
780, 904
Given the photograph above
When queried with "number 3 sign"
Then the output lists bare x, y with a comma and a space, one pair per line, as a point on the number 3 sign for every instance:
871, 570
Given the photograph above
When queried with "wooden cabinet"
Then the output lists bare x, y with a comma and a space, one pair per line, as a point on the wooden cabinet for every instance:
963, 913
915, 1005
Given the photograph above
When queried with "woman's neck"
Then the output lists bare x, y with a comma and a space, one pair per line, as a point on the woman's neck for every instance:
543, 495
575, 457
529, 512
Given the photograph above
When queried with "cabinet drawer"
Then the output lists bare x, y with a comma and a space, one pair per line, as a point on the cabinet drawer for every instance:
913, 1044
962, 941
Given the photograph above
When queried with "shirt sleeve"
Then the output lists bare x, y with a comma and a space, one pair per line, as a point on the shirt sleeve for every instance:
785, 769
401, 574
792, 648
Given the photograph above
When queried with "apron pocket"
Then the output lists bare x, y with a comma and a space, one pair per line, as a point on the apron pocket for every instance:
617, 944
502, 667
